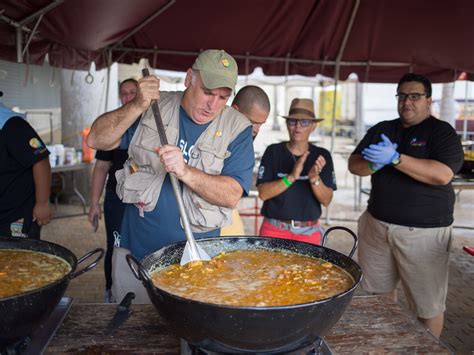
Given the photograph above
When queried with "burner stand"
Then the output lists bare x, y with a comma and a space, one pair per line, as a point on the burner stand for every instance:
38, 341
319, 347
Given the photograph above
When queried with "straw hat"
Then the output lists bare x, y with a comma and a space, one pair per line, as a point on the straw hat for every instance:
302, 109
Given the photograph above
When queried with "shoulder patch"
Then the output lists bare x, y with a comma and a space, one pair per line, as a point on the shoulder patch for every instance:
35, 143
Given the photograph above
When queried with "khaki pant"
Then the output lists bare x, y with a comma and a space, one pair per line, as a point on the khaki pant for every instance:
416, 257
124, 280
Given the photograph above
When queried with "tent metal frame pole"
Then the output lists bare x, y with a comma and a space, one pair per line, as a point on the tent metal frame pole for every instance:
333, 118
337, 69
41, 12
464, 123
267, 59
33, 32
336, 80
21, 26
18, 35
13, 23
108, 55
333, 129
121, 56
275, 125
19, 57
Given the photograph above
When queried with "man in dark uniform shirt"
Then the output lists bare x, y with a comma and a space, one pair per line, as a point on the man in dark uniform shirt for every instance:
405, 234
25, 177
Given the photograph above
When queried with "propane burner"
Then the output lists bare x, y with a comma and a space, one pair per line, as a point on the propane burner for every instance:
37, 342
318, 347
16, 348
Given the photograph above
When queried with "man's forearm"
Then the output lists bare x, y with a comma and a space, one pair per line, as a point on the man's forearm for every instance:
216, 189
423, 170
42, 179
108, 129
427, 171
359, 166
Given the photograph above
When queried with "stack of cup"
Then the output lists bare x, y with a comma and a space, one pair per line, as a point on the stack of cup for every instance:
69, 156
52, 154
60, 154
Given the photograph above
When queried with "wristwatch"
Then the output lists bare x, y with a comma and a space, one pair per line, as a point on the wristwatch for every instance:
316, 182
396, 159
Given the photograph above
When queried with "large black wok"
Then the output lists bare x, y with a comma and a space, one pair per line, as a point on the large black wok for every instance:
222, 328
20, 315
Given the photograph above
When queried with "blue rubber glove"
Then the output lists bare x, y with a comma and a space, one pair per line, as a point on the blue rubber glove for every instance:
381, 154
375, 167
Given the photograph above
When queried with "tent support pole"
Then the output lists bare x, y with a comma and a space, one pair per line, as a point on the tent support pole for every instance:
121, 56
333, 129
19, 57
275, 125
107, 83
21, 26
336, 79
41, 12
337, 69
33, 32
333, 118
464, 123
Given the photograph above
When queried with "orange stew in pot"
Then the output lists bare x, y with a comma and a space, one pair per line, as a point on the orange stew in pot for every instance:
24, 270
255, 278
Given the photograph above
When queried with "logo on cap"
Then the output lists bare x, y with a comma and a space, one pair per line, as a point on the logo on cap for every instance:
217, 68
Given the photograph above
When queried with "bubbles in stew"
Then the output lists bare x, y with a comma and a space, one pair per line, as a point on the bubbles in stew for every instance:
24, 270
254, 278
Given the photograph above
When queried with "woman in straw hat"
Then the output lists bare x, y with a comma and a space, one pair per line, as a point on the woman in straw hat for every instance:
294, 179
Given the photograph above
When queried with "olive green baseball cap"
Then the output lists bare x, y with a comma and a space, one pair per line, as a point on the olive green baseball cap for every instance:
217, 68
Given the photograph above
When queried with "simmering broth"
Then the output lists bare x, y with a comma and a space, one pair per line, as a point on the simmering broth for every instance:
255, 278
24, 270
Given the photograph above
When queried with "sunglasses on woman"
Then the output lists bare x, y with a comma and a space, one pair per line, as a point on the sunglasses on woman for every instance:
304, 122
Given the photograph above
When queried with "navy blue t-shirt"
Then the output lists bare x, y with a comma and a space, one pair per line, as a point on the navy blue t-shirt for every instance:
20, 149
162, 227
297, 202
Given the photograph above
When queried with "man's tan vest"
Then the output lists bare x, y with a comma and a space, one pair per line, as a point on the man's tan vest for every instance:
141, 179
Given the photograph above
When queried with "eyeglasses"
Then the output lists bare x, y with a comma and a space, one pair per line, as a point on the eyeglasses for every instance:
413, 96
304, 122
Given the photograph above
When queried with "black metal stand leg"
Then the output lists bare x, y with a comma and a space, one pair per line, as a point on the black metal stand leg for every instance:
78, 194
